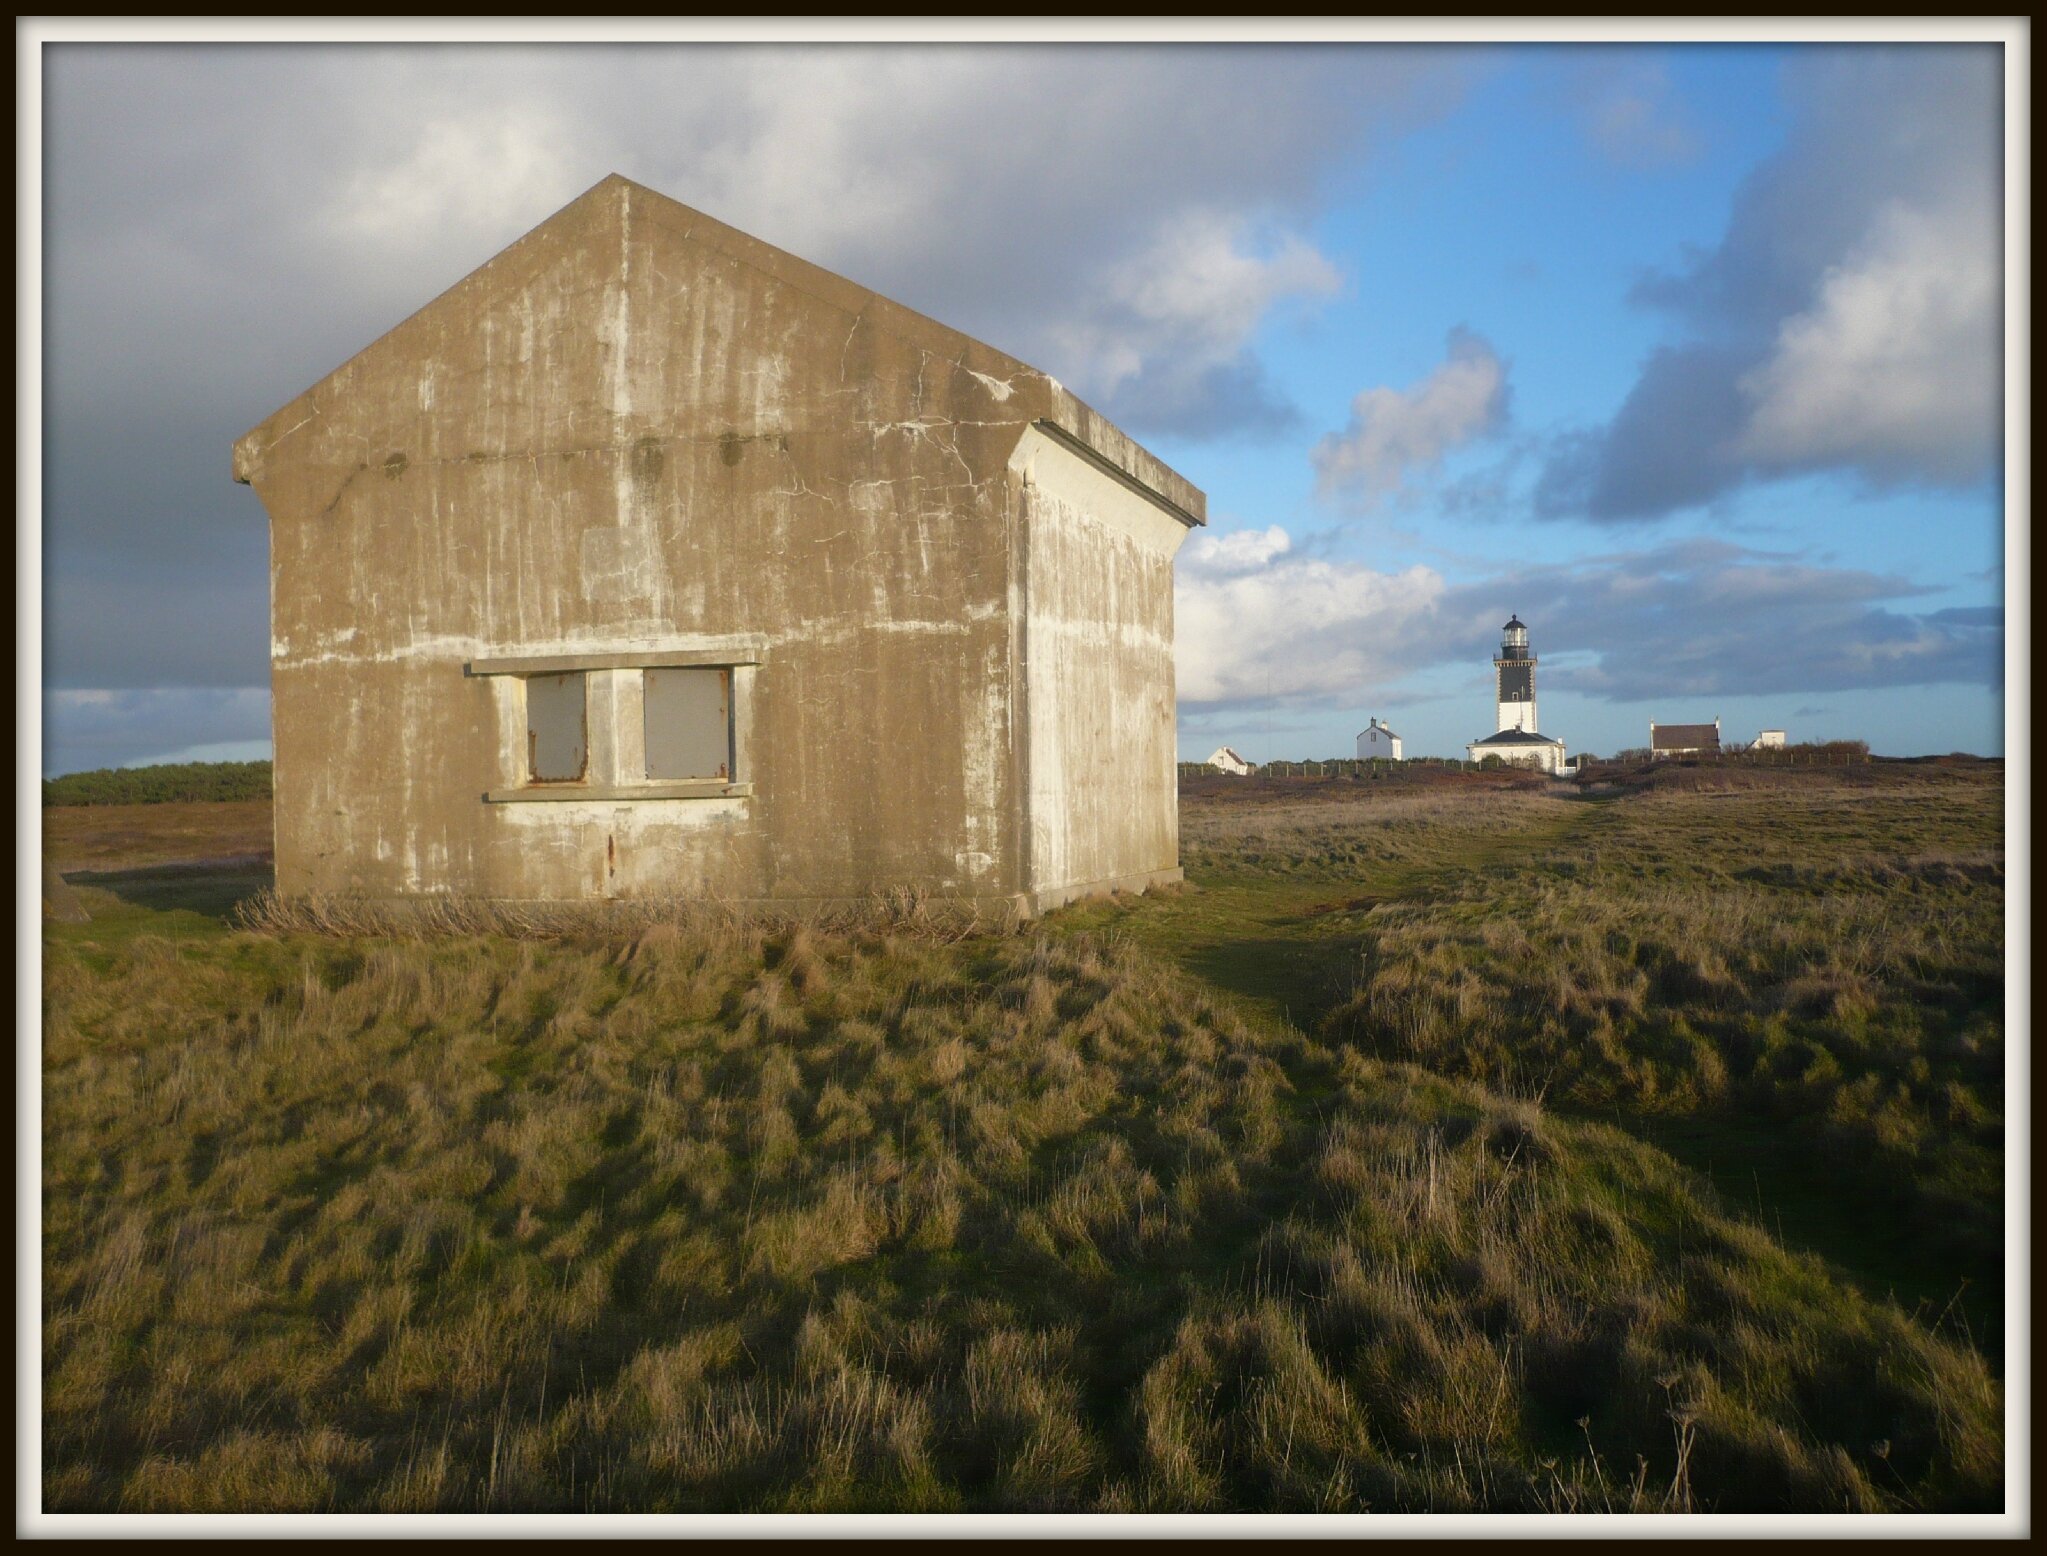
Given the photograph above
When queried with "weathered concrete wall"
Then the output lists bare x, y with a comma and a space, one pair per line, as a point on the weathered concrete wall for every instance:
637, 430
1097, 613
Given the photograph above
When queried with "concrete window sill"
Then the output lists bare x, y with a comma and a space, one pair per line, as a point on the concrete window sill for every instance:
712, 789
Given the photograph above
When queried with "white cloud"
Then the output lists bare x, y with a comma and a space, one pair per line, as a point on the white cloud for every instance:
1394, 432
1293, 628
1239, 551
1189, 300
1848, 320
464, 175
1895, 367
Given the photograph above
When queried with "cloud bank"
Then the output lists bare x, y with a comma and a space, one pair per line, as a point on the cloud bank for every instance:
226, 224
1851, 317
1256, 622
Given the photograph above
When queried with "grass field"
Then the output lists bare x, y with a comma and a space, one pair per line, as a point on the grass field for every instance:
1372, 1171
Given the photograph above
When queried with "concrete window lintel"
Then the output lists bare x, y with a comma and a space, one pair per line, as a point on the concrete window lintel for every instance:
631, 659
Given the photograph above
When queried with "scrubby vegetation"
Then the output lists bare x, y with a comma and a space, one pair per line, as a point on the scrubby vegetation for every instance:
164, 783
682, 1211
1823, 955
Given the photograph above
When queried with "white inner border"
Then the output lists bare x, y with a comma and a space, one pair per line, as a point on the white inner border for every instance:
32, 34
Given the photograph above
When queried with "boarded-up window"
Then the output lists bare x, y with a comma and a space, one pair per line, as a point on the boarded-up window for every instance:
689, 723
557, 749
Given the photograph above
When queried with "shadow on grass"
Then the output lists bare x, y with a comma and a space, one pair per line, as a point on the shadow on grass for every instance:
208, 892
1298, 980
1872, 1239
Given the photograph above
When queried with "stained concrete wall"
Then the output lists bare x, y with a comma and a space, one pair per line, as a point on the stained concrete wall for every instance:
1097, 611
638, 431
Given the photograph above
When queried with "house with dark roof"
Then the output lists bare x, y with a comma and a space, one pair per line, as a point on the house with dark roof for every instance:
1672, 740
1519, 748
652, 561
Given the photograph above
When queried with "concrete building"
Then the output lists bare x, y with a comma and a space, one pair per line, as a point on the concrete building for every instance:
1515, 739
650, 560
1224, 760
1770, 740
1669, 740
1378, 741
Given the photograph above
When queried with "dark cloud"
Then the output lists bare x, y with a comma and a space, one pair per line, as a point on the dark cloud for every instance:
1850, 318
223, 225
1710, 619
84, 730
1236, 398
1671, 445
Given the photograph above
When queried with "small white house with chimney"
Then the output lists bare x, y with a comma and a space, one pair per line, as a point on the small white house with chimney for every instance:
1227, 761
1378, 741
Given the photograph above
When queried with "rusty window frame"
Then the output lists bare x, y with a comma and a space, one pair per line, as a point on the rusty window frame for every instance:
565, 750
688, 718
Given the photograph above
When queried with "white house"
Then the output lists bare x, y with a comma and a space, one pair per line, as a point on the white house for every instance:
1770, 740
1378, 741
1227, 761
1520, 748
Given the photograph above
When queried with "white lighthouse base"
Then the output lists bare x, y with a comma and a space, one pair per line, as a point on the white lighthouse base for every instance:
1520, 748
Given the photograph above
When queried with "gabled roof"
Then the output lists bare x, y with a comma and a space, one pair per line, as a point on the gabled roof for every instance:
1517, 737
1377, 728
1683, 737
1028, 395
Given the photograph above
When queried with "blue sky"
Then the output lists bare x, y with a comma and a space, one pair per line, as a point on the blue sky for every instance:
1687, 354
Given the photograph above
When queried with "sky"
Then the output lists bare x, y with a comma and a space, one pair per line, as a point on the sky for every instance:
1689, 355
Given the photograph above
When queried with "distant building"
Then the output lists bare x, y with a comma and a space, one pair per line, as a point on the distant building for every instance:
1379, 741
1770, 740
1516, 740
1669, 740
1227, 761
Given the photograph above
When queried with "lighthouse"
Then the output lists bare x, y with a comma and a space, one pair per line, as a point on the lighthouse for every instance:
1514, 671
1515, 739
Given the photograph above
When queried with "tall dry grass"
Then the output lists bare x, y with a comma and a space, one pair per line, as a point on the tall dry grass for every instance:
724, 1215
1828, 957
